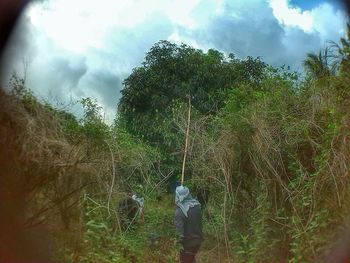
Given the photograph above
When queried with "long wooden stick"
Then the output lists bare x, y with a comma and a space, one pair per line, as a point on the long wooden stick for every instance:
113, 179
186, 143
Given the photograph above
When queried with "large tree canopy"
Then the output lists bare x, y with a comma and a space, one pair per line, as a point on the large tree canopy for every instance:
170, 73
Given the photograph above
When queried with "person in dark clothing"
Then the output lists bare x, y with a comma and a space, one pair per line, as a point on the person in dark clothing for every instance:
188, 223
130, 209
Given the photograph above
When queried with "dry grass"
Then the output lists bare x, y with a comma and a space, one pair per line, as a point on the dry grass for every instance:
41, 177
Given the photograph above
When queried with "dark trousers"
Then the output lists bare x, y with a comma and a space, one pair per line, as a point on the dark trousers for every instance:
188, 254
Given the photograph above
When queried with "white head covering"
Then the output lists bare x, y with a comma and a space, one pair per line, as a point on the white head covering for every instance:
184, 200
140, 204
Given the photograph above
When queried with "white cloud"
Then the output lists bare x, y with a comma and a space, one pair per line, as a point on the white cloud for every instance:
328, 22
81, 24
323, 19
291, 16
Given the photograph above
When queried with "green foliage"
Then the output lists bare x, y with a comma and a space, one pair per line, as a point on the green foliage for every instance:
281, 134
145, 242
94, 128
138, 161
169, 74
270, 147
25, 95
320, 65
99, 242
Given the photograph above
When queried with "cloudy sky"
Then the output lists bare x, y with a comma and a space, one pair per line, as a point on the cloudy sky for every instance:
85, 48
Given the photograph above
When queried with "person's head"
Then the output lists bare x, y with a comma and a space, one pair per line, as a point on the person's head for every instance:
181, 193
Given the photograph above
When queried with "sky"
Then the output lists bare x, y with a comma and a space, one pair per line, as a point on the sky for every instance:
86, 48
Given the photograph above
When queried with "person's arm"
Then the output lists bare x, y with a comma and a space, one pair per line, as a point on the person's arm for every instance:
179, 221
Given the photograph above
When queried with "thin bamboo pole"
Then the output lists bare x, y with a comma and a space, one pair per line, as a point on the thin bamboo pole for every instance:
186, 142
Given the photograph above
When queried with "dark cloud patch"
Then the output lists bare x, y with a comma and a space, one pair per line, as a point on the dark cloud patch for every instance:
253, 33
68, 71
56, 78
250, 29
246, 37
297, 44
127, 47
104, 83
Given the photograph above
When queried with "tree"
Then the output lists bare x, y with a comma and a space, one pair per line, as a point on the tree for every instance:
155, 95
321, 64
345, 42
93, 126
168, 74
343, 50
